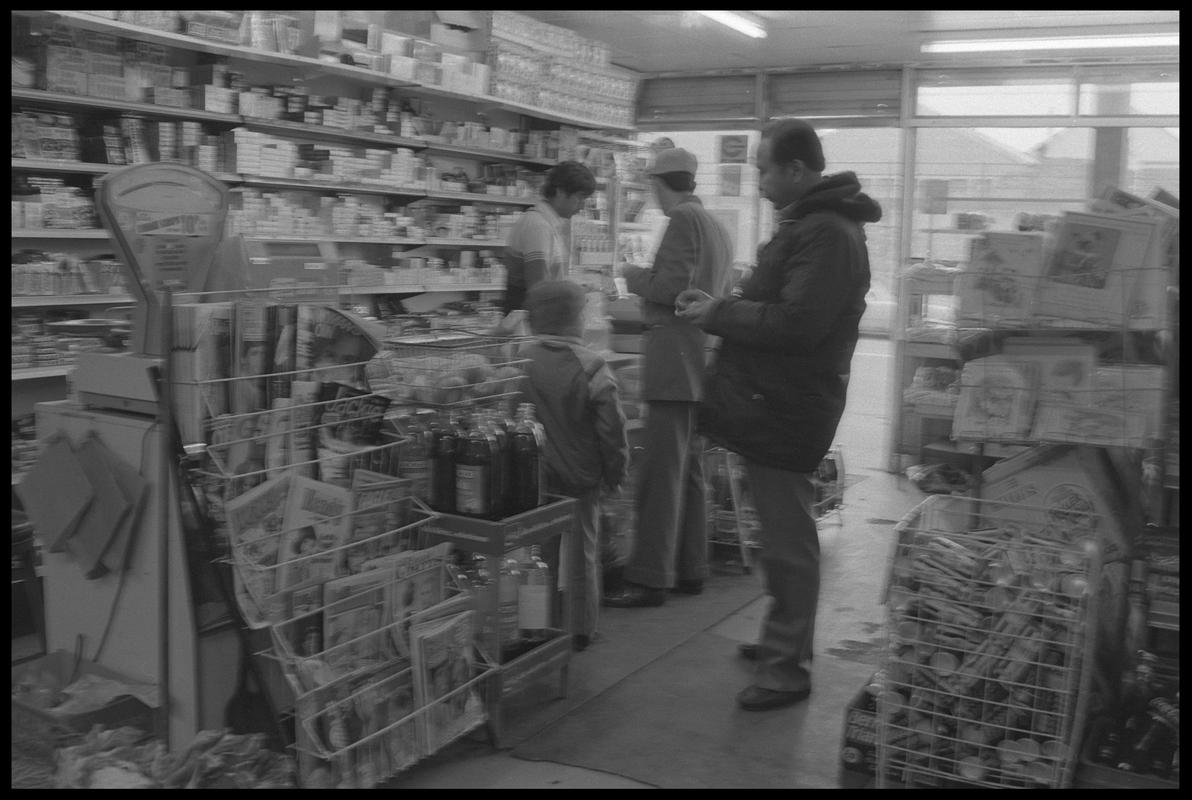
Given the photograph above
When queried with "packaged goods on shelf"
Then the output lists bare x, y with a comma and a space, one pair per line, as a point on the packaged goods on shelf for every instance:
990, 646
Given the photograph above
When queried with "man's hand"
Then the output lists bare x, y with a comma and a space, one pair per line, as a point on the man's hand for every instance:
694, 305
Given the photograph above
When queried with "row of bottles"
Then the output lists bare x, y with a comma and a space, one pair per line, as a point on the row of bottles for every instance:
525, 605
1143, 735
478, 463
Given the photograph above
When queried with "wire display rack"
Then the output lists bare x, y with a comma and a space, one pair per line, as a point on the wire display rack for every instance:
989, 629
449, 369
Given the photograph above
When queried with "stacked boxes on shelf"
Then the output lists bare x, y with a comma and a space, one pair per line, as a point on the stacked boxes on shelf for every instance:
554, 68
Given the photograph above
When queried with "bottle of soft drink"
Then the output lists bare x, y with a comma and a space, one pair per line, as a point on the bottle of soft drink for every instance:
509, 581
529, 440
474, 464
442, 472
500, 473
534, 601
415, 462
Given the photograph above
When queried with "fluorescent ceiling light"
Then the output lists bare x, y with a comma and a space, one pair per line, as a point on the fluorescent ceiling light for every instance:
1051, 43
737, 22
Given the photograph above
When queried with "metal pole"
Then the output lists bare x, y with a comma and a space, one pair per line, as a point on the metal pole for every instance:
165, 483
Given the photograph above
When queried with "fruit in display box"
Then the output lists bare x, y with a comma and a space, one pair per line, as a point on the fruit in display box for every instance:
440, 380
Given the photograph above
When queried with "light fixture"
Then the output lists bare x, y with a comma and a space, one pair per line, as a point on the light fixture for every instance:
1051, 43
737, 22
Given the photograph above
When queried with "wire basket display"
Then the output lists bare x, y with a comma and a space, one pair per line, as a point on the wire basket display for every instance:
989, 637
368, 711
448, 369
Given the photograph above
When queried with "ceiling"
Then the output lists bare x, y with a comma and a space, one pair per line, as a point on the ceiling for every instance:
684, 41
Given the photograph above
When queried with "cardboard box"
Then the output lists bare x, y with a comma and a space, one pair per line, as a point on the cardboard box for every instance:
106, 86
107, 64
458, 40
63, 69
165, 96
403, 67
44, 729
1069, 485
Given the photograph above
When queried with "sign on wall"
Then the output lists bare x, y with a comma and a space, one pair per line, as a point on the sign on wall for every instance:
734, 149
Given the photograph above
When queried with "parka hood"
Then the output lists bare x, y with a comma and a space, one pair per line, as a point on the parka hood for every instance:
840, 193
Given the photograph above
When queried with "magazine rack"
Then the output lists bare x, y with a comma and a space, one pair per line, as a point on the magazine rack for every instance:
326, 545
991, 625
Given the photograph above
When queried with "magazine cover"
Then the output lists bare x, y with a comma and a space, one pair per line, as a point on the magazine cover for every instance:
356, 606
380, 504
316, 523
255, 521
444, 662
418, 586
350, 414
997, 399
281, 372
997, 287
1079, 424
1097, 261
302, 628
253, 326
1148, 303
215, 359
1134, 389
277, 431
386, 706
1066, 367
333, 345
304, 398
193, 393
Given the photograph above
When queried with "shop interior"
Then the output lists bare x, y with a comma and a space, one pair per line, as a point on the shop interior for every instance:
258, 265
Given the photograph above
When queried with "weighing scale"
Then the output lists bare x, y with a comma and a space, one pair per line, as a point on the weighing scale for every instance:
167, 221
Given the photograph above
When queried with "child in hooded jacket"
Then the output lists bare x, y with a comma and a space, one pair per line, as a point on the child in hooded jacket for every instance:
577, 400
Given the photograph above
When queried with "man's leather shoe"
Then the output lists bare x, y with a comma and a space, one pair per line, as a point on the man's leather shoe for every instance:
636, 596
755, 698
689, 587
749, 651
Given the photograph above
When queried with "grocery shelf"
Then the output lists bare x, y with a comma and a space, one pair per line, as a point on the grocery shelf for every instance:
38, 301
256, 55
34, 373
287, 128
448, 148
418, 288
61, 165
477, 197
59, 233
331, 186
106, 104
